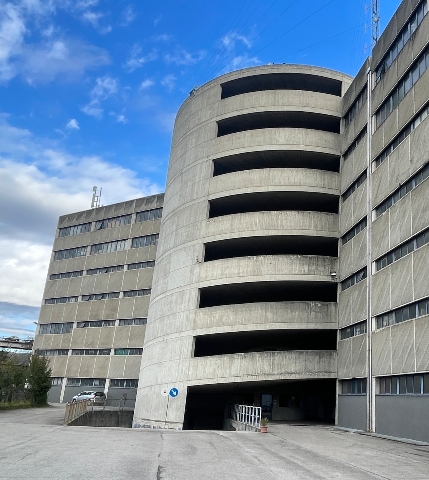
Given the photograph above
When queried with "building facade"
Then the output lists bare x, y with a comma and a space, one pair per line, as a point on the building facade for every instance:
270, 167
292, 262
94, 310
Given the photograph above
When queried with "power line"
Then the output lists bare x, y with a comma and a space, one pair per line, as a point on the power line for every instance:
222, 45
261, 16
260, 33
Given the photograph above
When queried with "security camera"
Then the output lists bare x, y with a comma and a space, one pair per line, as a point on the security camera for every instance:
333, 275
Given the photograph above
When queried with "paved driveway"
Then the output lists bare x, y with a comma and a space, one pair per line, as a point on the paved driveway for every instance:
34, 445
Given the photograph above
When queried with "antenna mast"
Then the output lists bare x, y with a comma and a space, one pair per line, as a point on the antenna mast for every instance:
375, 21
96, 199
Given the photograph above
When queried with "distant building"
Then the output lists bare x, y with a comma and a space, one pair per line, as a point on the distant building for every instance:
292, 269
94, 310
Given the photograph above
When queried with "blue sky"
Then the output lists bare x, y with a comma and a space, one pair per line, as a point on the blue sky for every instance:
88, 94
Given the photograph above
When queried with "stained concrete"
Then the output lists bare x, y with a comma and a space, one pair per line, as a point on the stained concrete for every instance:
35, 446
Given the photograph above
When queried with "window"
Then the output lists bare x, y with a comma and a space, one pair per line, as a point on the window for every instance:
354, 144
55, 301
75, 230
404, 133
354, 231
356, 106
108, 247
135, 266
132, 321
404, 249
401, 40
145, 241
55, 328
100, 296
70, 253
96, 323
355, 386
137, 293
98, 271
353, 330
50, 353
414, 384
56, 381
91, 351
353, 279
86, 382
357, 183
128, 351
400, 192
149, 215
124, 383
112, 222
416, 71
59, 276
407, 312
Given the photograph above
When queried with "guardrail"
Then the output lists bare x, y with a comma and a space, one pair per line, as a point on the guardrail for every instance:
75, 410
246, 415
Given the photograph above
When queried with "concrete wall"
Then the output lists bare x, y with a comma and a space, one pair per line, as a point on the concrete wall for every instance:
352, 411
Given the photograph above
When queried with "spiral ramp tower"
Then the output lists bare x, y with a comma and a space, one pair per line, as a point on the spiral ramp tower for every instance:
244, 297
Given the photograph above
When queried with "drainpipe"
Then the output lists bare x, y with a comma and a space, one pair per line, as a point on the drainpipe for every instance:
370, 395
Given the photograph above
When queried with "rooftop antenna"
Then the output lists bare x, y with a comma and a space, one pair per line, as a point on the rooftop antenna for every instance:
375, 9
96, 199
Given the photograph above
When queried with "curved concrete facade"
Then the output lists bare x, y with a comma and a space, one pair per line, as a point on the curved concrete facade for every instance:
286, 284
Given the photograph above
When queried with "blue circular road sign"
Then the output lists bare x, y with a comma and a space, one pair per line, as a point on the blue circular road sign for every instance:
174, 392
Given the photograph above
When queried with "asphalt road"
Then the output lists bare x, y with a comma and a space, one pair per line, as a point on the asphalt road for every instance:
34, 445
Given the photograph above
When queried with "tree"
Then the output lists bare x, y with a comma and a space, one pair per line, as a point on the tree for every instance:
12, 376
39, 379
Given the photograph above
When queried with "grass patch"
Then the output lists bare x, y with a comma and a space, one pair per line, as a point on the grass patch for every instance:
15, 405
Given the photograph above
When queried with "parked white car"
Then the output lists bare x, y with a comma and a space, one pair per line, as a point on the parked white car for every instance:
98, 398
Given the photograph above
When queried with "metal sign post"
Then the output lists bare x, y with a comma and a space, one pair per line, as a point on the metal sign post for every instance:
165, 392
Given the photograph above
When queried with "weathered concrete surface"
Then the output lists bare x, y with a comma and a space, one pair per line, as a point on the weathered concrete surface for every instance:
35, 446
105, 418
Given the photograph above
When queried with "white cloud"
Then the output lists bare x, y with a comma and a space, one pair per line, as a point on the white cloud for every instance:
73, 124
104, 88
120, 118
127, 16
38, 183
162, 38
146, 84
183, 57
52, 57
157, 20
84, 4
240, 61
229, 41
169, 81
137, 60
17, 319
95, 19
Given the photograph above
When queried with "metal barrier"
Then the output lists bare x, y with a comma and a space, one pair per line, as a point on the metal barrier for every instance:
75, 410
246, 415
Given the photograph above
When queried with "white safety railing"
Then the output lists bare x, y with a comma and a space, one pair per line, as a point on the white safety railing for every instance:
75, 410
247, 415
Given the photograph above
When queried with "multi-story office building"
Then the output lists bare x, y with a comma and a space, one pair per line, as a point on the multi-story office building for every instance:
292, 269
94, 310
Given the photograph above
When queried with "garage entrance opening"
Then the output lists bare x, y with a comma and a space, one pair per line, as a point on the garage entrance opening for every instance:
207, 406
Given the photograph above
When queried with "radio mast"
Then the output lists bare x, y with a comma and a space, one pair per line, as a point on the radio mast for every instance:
375, 10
